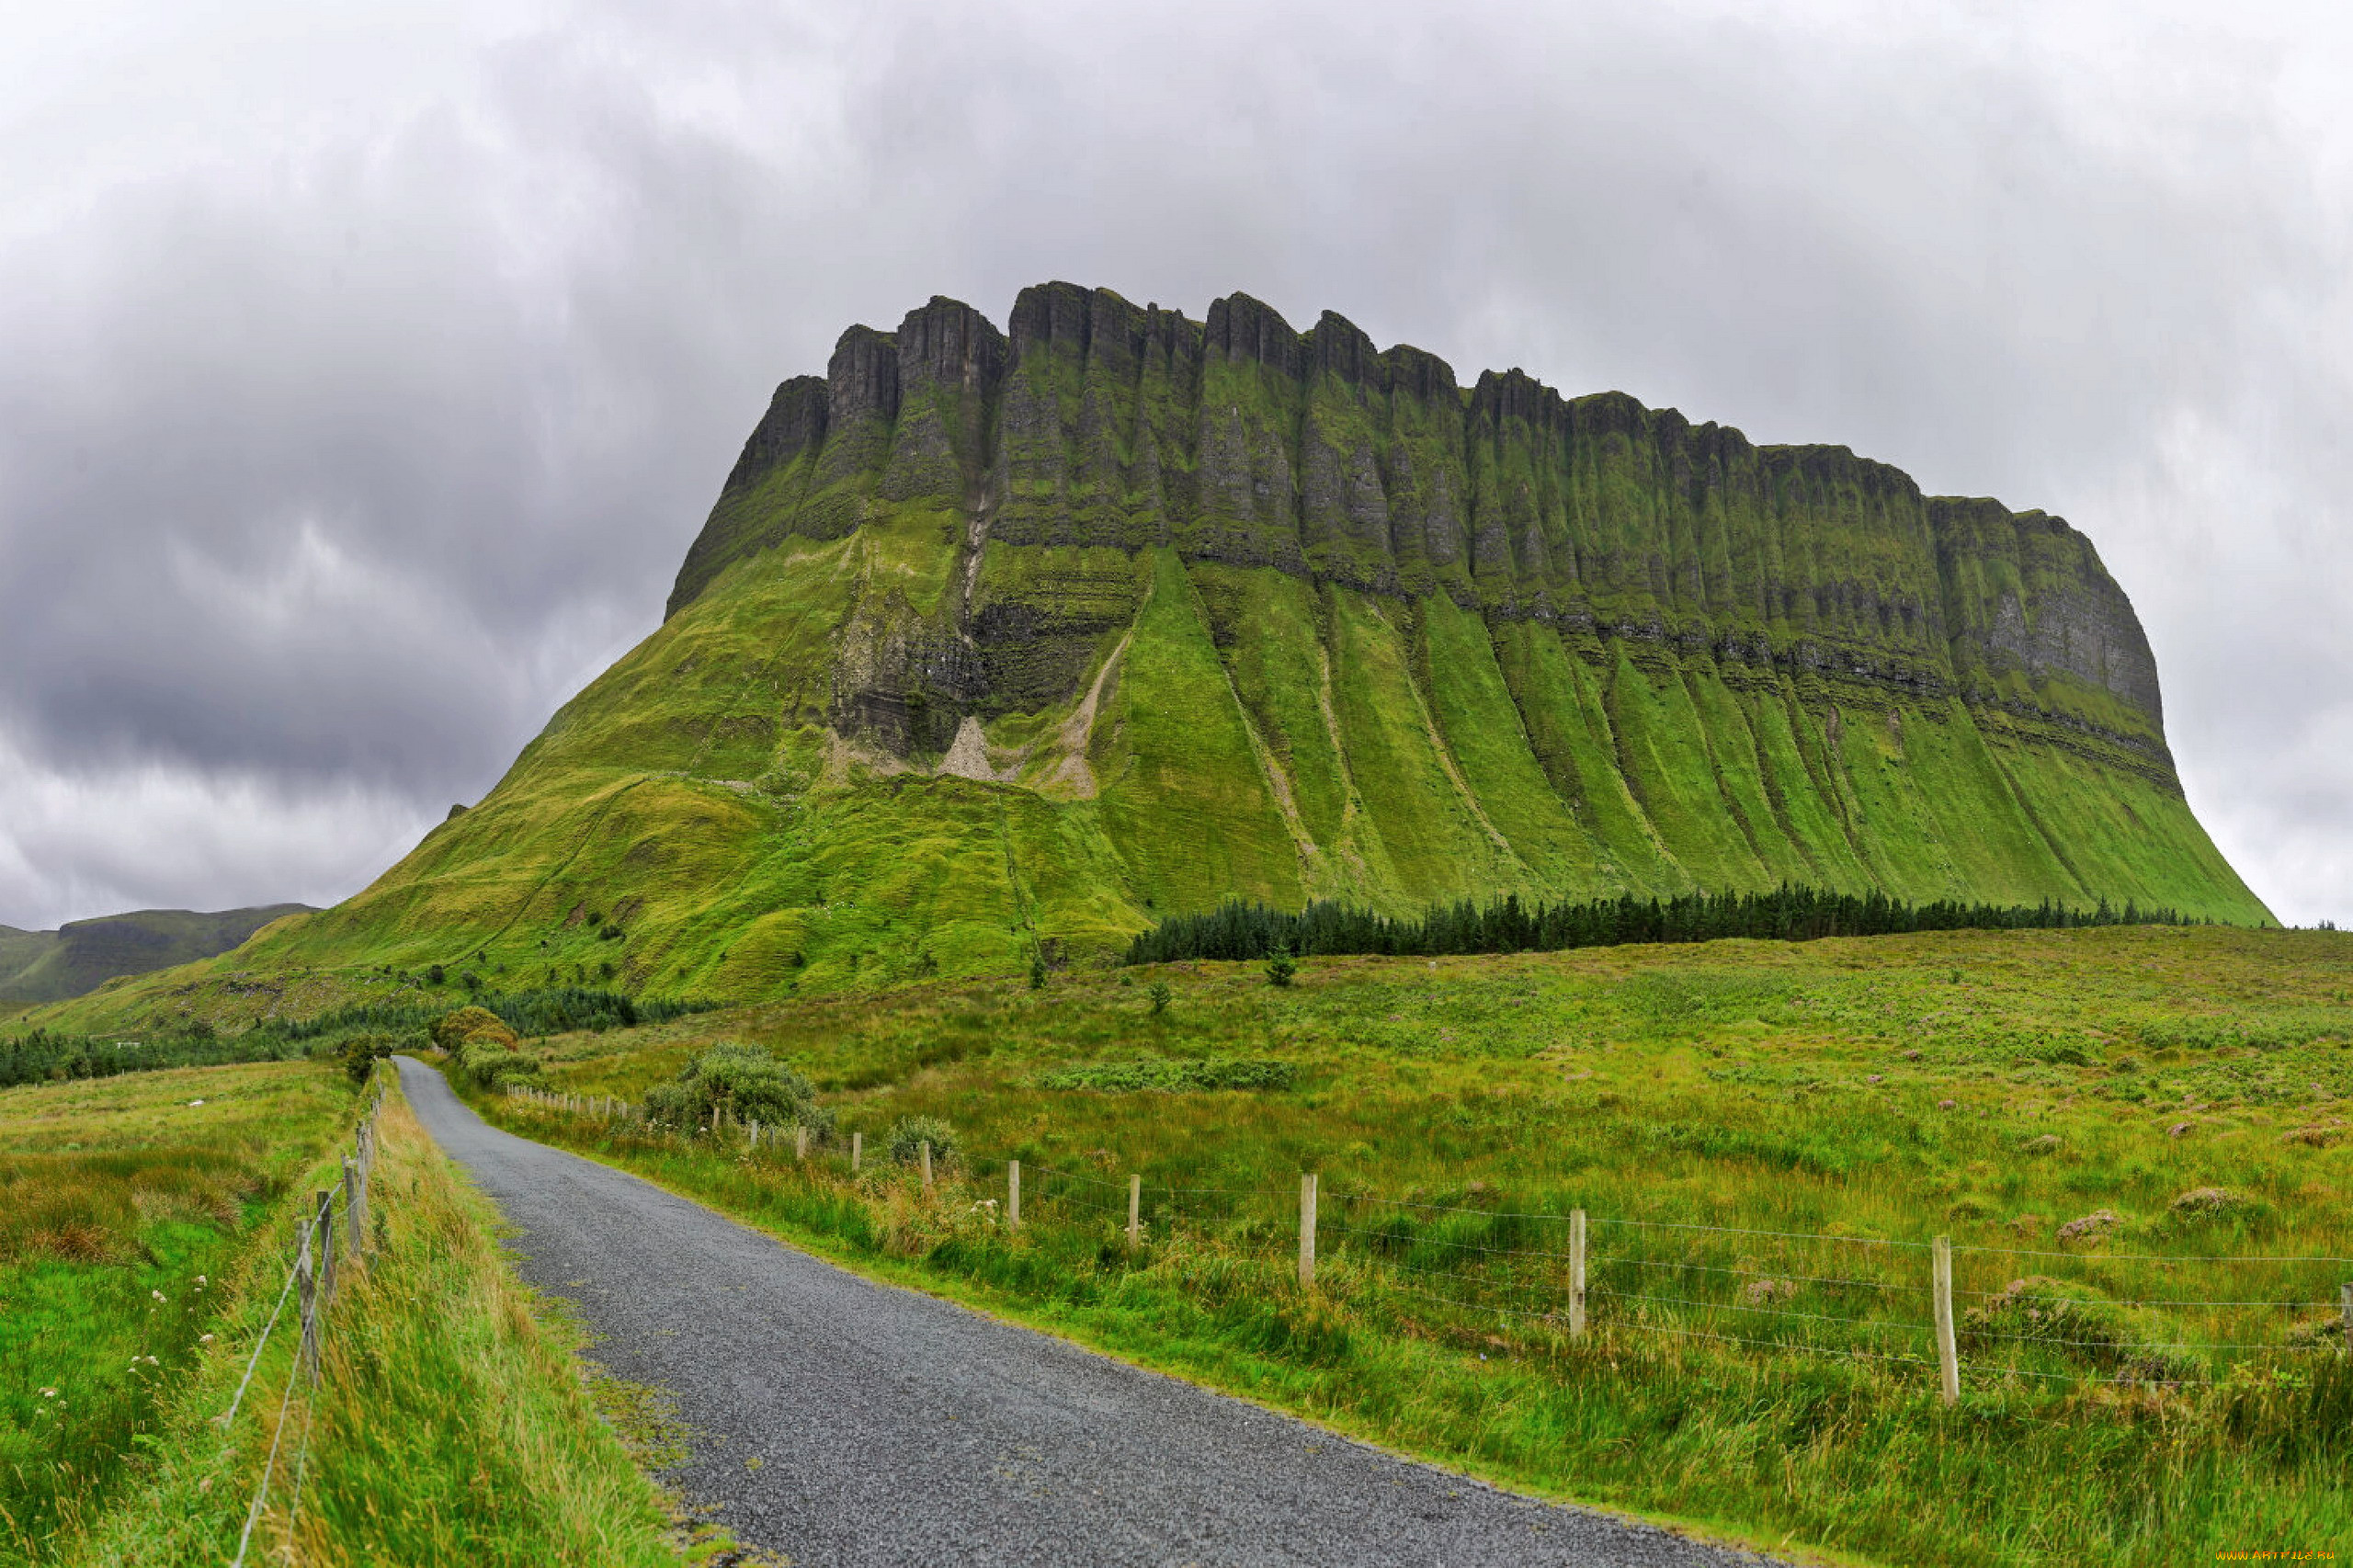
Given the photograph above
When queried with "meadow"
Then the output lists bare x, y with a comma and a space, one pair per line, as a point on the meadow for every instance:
451, 1423
2133, 1137
146, 1221
128, 1208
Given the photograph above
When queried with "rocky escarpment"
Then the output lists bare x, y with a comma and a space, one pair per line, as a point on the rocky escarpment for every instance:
1094, 423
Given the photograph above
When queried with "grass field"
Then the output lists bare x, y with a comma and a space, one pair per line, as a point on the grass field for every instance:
127, 1206
2106, 1124
144, 1226
451, 1424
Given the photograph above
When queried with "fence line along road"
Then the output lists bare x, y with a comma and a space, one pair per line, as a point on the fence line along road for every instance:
1576, 1288
320, 1264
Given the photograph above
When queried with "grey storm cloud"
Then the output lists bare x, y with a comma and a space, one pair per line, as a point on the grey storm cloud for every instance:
367, 372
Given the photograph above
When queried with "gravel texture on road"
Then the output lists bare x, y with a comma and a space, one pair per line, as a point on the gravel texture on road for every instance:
837, 1421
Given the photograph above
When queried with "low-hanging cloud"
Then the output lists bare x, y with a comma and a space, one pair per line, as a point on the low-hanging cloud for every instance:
367, 381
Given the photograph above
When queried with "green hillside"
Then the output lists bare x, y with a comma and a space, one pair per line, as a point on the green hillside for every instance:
1008, 644
82, 955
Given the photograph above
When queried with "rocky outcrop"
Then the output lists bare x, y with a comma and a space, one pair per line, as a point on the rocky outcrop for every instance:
1093, 424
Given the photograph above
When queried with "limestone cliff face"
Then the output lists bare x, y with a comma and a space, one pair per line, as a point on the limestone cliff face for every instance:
1094, 425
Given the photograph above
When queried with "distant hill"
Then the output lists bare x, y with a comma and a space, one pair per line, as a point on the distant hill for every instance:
82, 955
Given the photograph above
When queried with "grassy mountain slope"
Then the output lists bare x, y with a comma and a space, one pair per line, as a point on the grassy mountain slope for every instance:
1000, 644
82, 955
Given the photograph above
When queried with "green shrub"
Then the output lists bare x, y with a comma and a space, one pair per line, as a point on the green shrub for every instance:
1130, 1077
745, 1083
360, 1053
909, 1133
453, 1028
1281, 966
1160, 995
494, 1063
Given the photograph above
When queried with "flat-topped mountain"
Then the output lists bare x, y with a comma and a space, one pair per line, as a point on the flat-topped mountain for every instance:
1000, 642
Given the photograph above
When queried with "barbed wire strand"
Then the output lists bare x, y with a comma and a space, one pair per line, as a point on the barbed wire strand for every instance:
1443, 1273
1594, 1261
1819, 1236
1334, 1225
1874, 1324
2112, 1345
302, 1464
1646, 1224
1481, 1306
2138, 1256
2014, 1371
261, 1493
2144, 1301
1777, 1235
230, 1416
1644, 1327
1599, 1261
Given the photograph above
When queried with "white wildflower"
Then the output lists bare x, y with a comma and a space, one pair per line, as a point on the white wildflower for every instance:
49, 1394
157, 1294
204, 1339
193, 1104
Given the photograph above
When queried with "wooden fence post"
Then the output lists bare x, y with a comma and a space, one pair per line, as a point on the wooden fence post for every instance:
801, 1141
751, 1131
1135, 1212
2345, 1299
325, 1229
1013, 1195
1948, 1356
1577, 1273
856, 1151
306, 1286
926, 1161
1307, 1230
353, 1207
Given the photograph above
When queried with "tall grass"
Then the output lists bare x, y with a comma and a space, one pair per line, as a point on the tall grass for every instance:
451, 1424
127, 1211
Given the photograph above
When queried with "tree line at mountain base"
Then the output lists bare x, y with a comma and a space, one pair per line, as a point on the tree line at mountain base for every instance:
1252, 931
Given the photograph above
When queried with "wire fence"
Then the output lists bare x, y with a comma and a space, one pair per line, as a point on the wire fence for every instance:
331, 1239
1984, 1314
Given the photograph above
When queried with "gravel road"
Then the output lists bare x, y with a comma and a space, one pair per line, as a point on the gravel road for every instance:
841, 1422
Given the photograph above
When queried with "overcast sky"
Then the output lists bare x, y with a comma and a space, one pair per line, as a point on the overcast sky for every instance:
365, 369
